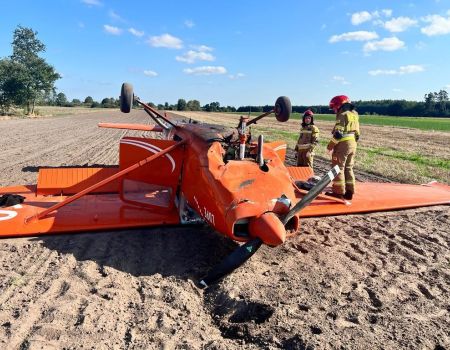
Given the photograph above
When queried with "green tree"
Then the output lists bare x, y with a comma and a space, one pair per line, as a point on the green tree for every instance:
193, 105
89, 100
430, 101
442, 98
61, 99
181, 105
76, 102
8, 84
106, 102
32, 77
214, 106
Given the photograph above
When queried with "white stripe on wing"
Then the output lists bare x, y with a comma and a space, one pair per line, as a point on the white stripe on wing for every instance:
149, 147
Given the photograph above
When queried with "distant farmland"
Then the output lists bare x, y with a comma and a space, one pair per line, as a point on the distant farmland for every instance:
422, 123
439, 124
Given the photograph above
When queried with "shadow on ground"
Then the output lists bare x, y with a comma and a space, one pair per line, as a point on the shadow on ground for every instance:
183, 252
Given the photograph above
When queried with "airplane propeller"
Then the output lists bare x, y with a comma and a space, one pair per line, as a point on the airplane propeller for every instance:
312, 193
231, 262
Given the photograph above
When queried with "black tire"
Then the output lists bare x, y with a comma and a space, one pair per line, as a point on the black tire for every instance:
126, 98
283, 108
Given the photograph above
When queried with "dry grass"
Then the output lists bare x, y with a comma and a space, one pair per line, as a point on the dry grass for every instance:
51, 111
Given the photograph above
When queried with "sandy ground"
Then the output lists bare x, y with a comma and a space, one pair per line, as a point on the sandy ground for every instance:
378, 281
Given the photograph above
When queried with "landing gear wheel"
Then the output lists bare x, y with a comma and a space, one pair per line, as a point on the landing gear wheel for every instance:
126, 98
283, 108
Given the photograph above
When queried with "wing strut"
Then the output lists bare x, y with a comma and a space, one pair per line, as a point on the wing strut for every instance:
313, 193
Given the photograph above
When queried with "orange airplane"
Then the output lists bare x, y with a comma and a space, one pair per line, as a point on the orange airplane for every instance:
196, 173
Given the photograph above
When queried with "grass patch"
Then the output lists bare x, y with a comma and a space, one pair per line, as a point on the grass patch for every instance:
436, 124
411, 157
275, 135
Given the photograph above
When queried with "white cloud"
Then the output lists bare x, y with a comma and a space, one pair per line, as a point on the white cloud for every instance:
113, 15
202, 48
364, 16
205, 70
166, 40
399, 24
410, 69
136, 32
92, 2
192, 56
438, 25
188, 23
382, 72
150, 73
236, 76
360, 17
386, 44
341, 80
397, 90
354, 36
447, 86
112, 30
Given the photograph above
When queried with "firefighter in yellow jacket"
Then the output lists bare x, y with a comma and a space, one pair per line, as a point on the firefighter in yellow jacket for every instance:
343, 146
309, 135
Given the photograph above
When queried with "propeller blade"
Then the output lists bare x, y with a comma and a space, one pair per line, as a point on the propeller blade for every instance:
239, 256
312, 193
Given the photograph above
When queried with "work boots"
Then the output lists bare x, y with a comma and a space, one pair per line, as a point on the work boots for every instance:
348, 195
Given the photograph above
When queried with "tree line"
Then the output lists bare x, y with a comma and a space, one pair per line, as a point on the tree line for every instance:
60, 99
435, 104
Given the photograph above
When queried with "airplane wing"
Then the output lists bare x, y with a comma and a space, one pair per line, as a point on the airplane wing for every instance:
78, 199
372, 197
89, 213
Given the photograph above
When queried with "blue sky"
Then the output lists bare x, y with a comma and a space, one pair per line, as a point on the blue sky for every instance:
240, 52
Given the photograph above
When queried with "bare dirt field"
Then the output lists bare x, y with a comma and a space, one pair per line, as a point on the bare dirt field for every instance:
378, 281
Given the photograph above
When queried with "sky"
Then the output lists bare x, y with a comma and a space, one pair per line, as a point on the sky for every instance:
240, 52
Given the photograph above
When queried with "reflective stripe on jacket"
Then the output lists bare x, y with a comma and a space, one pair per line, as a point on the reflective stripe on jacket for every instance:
309, 137
347, 123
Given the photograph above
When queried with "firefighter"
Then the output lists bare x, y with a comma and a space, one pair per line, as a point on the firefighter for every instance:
343, 146
307, 140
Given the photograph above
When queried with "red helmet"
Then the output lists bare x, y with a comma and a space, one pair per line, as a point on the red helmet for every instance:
337, 102
308, 113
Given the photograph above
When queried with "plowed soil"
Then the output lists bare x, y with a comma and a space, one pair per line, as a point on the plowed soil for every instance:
378, 281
